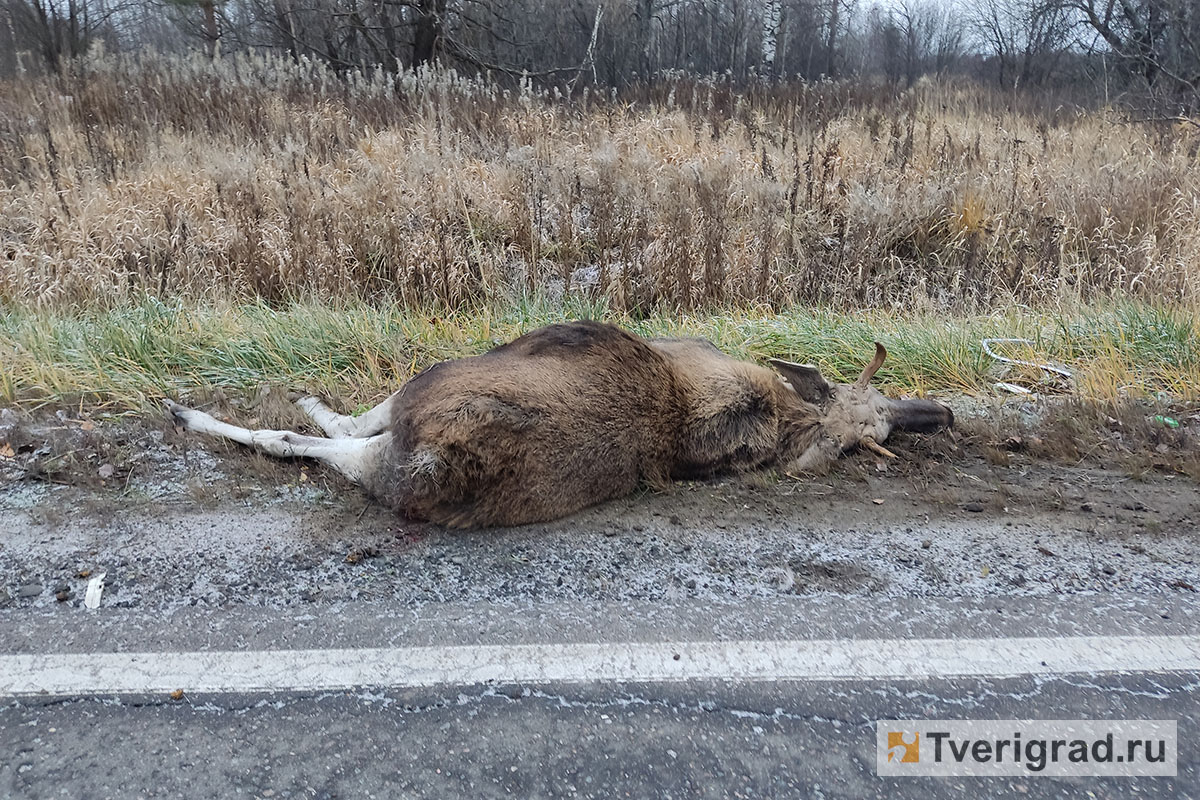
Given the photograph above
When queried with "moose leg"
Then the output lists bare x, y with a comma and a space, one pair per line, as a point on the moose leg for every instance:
353, 457
340, 426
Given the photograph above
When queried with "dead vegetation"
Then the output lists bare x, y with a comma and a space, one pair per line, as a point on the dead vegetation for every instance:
1136, 438
173, 223
248, 178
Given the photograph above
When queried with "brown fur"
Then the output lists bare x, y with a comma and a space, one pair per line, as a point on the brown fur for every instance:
578, 413
562, 418
736, 415
574, 414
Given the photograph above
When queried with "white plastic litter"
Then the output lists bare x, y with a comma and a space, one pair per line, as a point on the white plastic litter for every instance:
1066, 373
95, 588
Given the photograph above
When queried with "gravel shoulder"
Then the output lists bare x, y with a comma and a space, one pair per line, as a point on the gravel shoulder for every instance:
206, 547
178, 522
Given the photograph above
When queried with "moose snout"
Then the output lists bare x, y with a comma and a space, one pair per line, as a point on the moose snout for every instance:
921, 416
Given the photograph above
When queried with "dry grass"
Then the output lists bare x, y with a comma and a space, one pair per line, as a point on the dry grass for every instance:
1127, 436
257, 180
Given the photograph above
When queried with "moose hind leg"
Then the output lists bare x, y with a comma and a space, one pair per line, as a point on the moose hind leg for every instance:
353, 457
341, 426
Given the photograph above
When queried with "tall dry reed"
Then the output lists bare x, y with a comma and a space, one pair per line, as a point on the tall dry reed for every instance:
257, 177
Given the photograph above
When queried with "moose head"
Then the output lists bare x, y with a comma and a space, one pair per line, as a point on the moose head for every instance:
856, 414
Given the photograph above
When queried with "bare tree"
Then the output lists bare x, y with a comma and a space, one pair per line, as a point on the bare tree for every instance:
59, 29
1025, 37
1156, 39
430, 31
772, 20
210, 29
914, 37
831, 34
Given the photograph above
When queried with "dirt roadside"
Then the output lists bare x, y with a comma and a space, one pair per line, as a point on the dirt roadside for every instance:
990, 510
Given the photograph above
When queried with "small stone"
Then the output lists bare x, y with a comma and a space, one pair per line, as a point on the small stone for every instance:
29, 590
1108, 571
62, 596
974, 508
676, 520
457, 560
1086, 507
926, 544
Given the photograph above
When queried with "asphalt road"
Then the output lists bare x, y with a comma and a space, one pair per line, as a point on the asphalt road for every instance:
710, 737
267, 639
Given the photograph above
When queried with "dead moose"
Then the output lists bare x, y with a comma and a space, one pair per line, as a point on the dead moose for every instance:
574, 414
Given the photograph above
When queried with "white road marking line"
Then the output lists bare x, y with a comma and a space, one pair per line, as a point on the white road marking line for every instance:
61, 674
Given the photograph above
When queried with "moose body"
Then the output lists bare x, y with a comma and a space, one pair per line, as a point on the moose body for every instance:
574, 414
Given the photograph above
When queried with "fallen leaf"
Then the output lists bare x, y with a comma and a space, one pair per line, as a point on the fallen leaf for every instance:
878, 501
106, 471
6, 450
87, 425
177, 694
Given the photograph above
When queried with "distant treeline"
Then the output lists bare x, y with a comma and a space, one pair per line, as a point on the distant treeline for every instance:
1100, 50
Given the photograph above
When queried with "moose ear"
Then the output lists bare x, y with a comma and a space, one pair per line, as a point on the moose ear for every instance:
805, 379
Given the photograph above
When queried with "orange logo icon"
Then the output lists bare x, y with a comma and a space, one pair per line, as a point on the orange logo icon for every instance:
904, 747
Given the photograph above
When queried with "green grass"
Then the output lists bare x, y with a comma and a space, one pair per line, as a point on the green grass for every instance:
128, 358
